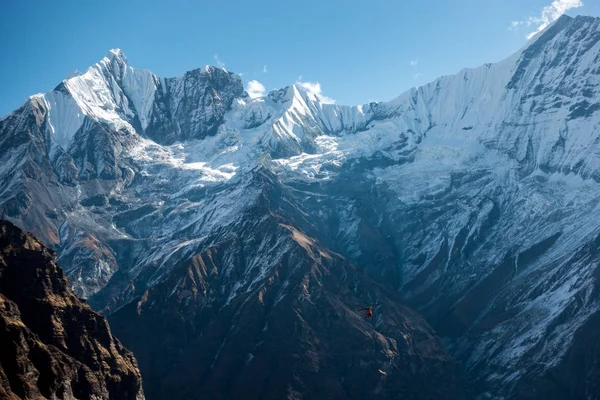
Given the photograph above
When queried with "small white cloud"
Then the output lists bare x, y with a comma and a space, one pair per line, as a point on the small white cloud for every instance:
219, 62
314, 88
549, 14
265, 69
255, 89
515, 25
415, 65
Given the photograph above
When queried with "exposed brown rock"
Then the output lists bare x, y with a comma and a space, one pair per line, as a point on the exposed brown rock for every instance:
268, 313
52, 344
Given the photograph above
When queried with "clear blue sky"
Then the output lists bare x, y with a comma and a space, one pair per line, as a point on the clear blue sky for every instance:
359, 51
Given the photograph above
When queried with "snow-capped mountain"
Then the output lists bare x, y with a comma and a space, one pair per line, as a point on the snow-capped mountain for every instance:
474, 196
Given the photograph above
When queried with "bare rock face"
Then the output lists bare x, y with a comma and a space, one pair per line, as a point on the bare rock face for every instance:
268, 313
53, 345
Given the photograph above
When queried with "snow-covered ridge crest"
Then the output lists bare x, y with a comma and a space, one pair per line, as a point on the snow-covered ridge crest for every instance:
294, 121
114, 93
110, 91
477, 105
303, 109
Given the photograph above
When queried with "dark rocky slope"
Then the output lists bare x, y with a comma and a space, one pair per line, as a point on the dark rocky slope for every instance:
53, 345
268, 313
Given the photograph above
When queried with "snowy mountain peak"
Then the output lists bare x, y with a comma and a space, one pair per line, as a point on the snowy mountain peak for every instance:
116, 54
581, 18
114, 63
195, 104
74, 73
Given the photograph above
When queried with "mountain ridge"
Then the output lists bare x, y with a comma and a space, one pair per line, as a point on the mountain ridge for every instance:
473, 195
54, 345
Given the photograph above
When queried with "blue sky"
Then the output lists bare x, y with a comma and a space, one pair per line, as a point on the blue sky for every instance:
359, 51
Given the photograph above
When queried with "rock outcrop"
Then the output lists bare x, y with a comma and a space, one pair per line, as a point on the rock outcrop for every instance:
53, 345
268, 313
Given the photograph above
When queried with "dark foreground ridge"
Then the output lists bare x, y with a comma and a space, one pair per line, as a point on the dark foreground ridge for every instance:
52, 344
291, 332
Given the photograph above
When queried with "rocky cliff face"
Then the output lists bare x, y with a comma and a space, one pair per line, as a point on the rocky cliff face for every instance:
263, 311
53, 345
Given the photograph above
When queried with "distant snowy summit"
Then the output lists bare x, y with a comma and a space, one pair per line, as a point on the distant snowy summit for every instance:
483, 104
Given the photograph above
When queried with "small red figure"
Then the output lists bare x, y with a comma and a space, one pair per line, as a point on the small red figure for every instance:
368, 310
